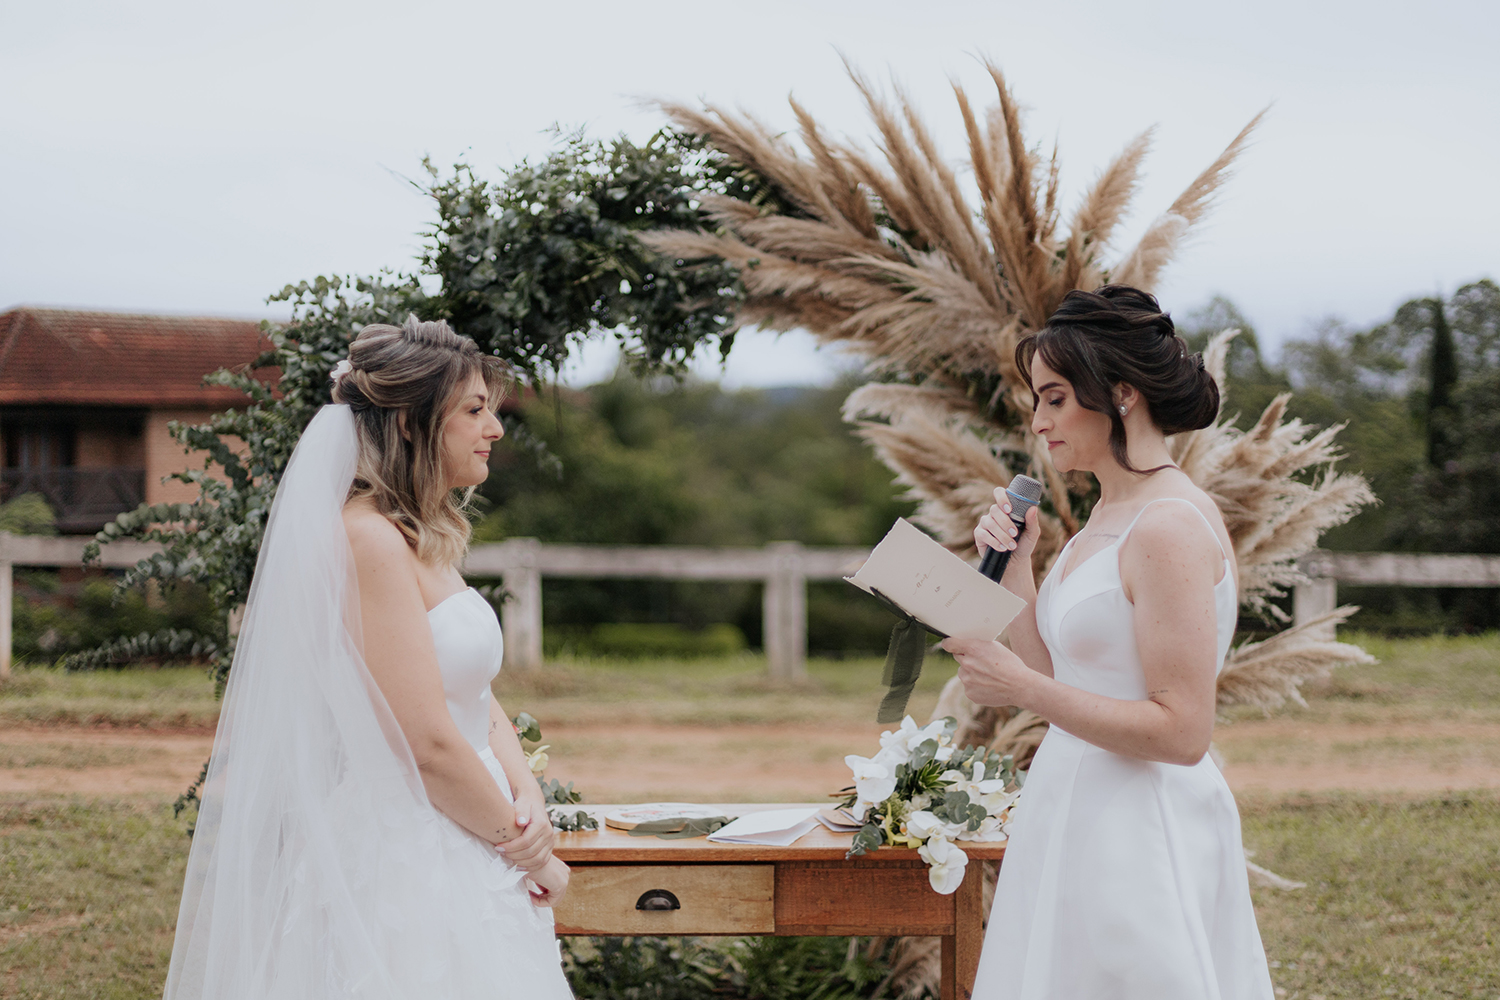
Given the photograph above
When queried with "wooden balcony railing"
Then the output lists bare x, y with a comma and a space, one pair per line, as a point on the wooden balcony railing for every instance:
83, 499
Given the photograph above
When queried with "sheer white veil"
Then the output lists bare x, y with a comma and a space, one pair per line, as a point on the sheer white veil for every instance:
300, 719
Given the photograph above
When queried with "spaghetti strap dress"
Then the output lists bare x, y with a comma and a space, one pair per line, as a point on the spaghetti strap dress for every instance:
1123, 879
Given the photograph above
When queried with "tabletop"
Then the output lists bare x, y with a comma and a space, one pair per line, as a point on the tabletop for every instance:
821, 844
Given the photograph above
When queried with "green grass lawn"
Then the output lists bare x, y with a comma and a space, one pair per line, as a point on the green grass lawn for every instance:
1451, 678
710, 692
1402, 895
88, 897
157, 698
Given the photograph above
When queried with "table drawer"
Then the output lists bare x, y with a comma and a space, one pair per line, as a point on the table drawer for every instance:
669, 899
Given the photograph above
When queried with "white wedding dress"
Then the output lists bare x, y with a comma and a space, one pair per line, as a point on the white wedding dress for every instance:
319, 870
1124, 879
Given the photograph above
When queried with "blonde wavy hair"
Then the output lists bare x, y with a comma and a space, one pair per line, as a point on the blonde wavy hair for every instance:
402, 383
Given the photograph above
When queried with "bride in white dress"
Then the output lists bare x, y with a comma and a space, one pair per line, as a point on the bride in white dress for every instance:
1124, 876
369, 826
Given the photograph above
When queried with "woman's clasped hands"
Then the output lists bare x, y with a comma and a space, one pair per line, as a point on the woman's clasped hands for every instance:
531, 849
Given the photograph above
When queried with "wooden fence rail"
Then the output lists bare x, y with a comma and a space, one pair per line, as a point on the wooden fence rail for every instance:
783, 567
1326, 570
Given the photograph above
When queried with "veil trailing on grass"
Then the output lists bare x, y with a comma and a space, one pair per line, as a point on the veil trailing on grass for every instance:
318, 868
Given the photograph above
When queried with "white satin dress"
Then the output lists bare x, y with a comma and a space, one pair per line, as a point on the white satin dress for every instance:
1124, 879
451, 916
518, 945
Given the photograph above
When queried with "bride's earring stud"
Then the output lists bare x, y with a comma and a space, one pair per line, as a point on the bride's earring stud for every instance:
1122, 411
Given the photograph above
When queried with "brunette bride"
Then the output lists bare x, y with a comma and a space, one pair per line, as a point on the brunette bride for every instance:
369, 826
1124, 876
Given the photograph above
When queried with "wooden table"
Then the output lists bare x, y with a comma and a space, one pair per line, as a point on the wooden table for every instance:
807, 889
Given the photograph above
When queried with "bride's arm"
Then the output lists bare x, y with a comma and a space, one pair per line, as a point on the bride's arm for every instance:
533, 849
1171, 579
401, 658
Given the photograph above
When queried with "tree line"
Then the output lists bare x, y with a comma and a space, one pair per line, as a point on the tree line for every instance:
1419, 395
549, 254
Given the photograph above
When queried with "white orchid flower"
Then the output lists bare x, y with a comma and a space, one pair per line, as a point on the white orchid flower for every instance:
922, 824
991, 830
945, 864
901, 742
874, 780
997, 802
537, 759
943, 753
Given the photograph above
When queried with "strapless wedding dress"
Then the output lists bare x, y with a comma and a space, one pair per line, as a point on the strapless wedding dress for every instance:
506, 941
1123, 879
445, 912
319, 869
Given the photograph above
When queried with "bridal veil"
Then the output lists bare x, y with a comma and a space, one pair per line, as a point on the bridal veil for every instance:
318, 868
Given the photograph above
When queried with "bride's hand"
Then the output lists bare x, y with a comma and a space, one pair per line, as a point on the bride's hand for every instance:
997, 531
532, 849
550, 882
990, 673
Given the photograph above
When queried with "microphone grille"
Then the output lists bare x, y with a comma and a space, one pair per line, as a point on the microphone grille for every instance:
1025, 493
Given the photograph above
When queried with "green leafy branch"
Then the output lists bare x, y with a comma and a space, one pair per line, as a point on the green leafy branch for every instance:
554, 793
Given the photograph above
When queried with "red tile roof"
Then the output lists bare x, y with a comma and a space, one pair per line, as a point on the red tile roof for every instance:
118, 359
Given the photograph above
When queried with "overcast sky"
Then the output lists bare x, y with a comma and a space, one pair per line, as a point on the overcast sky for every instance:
194, 157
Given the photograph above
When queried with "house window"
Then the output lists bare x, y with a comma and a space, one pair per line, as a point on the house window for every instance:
38, 446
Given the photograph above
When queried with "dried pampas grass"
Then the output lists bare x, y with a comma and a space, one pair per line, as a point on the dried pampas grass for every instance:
933, 281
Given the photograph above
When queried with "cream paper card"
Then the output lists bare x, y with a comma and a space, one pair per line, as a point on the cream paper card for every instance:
935, 586
771, 828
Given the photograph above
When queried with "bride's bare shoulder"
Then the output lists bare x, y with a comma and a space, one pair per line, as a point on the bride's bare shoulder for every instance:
1165, 526
372, 536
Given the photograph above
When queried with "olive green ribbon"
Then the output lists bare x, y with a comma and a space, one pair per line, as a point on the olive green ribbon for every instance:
680, 827
903, 660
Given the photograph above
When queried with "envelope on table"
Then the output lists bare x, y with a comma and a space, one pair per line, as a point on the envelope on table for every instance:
772, 828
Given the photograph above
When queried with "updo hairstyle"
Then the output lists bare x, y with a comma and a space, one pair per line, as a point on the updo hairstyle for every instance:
1097, 340
401, 385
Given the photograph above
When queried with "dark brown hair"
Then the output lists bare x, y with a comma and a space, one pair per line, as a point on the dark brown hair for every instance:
1097, 340
401, 385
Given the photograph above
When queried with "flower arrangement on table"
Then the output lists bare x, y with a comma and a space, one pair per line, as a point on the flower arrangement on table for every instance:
557, 796
921, 791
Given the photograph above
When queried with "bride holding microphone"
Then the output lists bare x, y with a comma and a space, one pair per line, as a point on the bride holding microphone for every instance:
1124, 876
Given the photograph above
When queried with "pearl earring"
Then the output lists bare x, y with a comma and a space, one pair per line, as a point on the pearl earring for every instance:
1122, 411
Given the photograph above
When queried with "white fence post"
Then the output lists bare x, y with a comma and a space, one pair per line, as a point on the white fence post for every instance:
7, 593
1318, 595
521, 615
784, 625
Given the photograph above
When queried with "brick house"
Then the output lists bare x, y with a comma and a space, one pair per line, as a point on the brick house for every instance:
85, 399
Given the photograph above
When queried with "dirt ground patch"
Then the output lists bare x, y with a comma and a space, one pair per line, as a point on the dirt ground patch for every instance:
788, 762
1293, 755
79, 761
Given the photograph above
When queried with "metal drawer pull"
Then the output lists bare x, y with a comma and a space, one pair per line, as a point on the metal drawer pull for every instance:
657, 899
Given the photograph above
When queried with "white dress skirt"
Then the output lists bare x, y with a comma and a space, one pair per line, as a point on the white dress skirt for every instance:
1124, 879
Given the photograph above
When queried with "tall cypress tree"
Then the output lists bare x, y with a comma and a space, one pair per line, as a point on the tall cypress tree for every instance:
1442, 425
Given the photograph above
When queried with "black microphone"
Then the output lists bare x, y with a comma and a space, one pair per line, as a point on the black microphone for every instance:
1024, 493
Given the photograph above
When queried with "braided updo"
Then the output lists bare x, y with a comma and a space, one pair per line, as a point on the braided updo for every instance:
1097, 340
400, 384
